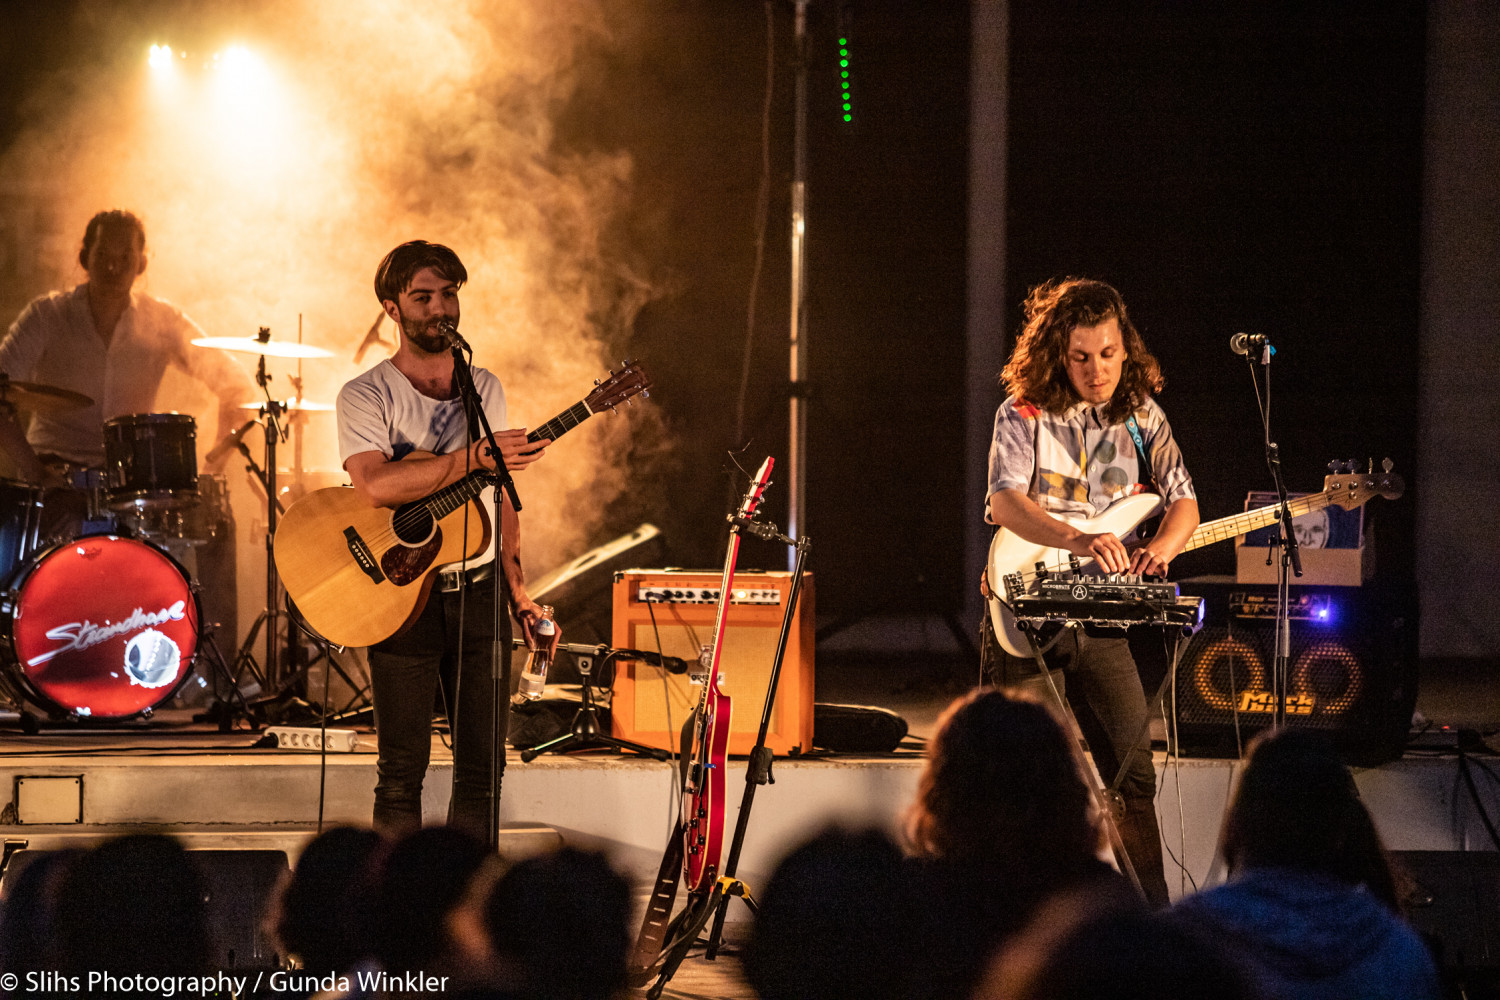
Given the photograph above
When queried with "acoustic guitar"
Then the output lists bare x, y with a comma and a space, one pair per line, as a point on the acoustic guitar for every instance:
360, 574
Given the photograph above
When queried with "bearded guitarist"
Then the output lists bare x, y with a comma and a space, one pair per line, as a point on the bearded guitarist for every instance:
1078, 431
410, 404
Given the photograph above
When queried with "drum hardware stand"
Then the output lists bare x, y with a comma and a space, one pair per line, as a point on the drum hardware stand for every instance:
272, 411
683, 932
361, 698
585, 732
225, 710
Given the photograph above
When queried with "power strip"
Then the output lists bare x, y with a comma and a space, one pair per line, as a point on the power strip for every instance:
306, 738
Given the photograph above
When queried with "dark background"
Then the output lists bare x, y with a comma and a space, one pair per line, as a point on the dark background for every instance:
1249, 169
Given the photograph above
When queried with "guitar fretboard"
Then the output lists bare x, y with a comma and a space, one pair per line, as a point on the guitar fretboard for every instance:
1226, 528
562, 423
448, 499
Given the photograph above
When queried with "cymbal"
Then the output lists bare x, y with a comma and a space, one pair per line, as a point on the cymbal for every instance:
269, 348
34, 397
305, 405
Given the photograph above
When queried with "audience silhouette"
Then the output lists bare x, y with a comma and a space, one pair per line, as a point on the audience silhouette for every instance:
1310, 901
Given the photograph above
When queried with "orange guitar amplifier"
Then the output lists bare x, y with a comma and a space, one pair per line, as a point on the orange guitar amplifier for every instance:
684, 604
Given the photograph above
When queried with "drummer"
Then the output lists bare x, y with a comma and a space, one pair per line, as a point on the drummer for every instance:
107, 341
113, 344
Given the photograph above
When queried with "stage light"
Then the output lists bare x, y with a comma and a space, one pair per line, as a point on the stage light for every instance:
160, 58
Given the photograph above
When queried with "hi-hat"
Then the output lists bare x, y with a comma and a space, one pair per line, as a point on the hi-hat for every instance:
33, 397
269, 348
306, 405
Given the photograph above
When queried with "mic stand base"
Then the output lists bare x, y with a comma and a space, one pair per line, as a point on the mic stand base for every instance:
585, 732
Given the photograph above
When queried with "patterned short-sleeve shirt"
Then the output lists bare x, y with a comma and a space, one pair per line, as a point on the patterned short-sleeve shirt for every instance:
1074, 463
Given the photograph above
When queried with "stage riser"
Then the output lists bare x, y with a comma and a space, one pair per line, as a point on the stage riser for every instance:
622, 806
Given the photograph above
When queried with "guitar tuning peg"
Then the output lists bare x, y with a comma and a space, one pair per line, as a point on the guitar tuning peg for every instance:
1350, 466
646, 394
1369, 467
1387, 464
1333, 466
596, 381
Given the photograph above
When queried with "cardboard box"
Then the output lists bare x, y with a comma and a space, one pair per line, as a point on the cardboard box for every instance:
1334, 546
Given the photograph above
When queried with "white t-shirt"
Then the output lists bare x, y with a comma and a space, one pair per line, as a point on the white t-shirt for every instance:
382, 411
54, 342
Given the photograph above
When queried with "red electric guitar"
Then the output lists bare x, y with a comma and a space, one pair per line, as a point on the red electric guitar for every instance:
703, 796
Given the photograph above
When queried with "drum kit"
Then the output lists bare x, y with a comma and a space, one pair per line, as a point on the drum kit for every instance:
98, 620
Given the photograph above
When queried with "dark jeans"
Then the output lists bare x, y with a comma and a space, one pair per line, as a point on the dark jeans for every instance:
405, 673
1106, 686
1104, 678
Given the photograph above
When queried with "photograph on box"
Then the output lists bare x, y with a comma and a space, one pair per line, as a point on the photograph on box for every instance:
1330, 528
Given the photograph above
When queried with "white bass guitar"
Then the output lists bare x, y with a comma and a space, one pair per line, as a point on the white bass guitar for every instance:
1013, 561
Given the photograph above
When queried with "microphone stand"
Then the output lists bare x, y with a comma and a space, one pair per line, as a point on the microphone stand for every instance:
1290, 563
499, 649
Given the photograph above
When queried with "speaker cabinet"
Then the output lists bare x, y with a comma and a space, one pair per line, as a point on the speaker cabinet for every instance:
1352, 670
650, 706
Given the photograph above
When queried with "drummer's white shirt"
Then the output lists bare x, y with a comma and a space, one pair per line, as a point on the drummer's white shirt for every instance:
54, 342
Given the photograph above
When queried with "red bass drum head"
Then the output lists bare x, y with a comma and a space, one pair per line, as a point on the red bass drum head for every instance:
104, 627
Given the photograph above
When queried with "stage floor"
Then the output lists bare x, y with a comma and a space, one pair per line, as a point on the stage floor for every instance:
218, 791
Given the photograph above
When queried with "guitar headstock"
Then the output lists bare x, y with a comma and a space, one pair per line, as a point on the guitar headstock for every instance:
619, 387
757, 488
1350, 489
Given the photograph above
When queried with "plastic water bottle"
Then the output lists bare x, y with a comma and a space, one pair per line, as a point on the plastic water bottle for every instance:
534, 675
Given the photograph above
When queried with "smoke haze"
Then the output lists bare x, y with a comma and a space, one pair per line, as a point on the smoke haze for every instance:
272, 180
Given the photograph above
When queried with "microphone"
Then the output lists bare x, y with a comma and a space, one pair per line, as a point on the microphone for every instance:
230, 442
371, 339
449, 330
1244, 343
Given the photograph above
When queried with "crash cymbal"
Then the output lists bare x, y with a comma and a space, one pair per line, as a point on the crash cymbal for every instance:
33, 397
269, 348
305, 405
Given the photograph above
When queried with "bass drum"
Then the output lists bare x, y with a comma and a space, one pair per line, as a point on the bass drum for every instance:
100, 627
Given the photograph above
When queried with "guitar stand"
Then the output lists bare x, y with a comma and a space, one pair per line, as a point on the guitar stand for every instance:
683, 932
585, 732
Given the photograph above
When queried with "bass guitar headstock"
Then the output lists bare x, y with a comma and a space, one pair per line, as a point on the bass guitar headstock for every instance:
1349, 489
619, 387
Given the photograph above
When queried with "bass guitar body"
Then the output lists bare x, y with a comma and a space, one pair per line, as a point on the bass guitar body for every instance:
360, 574
1010, 553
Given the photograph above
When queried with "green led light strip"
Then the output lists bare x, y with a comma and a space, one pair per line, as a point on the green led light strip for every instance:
846, 100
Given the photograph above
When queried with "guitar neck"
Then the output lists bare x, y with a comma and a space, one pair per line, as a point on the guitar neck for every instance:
1226, 528
562, 423
448, 499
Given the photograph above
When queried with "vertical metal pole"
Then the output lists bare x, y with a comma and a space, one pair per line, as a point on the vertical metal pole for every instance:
797, 446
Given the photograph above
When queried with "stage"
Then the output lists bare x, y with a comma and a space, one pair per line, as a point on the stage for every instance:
219, 791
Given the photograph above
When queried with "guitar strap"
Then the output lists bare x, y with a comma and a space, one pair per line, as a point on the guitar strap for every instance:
646, 958
1141, 449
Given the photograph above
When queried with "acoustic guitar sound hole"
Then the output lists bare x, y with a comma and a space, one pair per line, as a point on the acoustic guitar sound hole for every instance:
413, 523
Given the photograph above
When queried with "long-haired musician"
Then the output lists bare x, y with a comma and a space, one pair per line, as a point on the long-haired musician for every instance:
1066, 443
